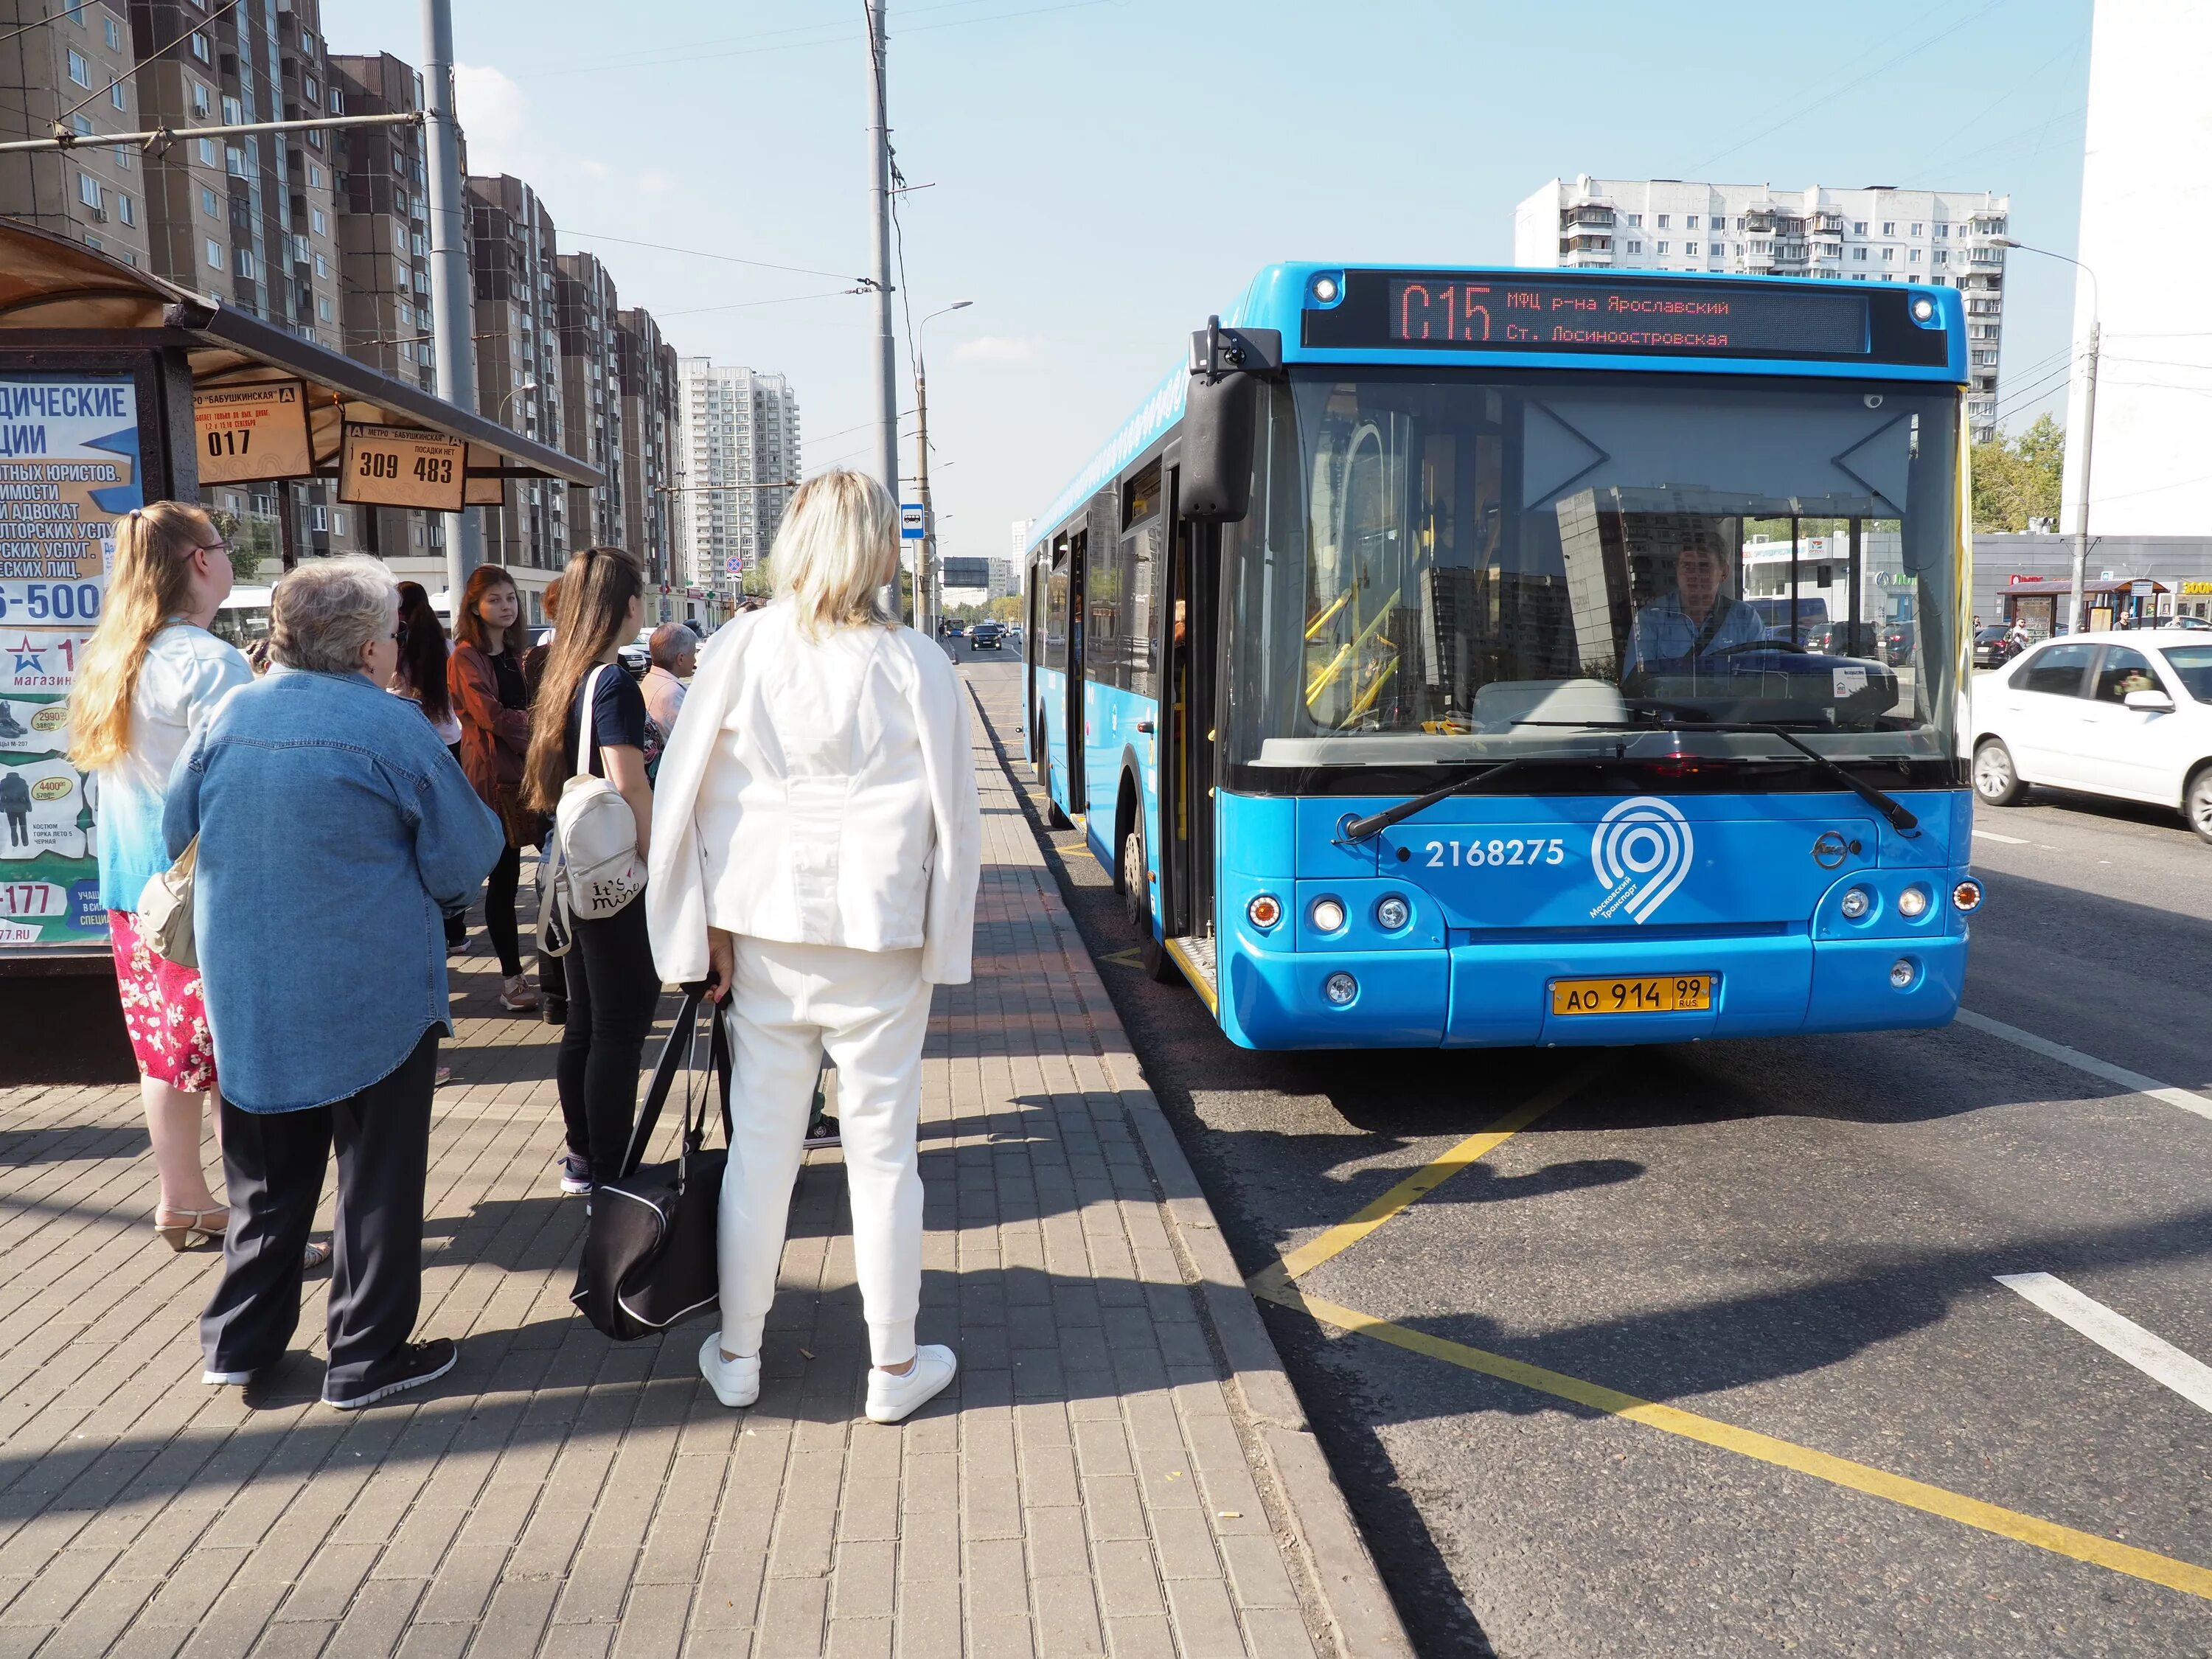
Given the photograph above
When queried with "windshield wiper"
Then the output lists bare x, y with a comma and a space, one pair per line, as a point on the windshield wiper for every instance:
1376, 822
1900, 817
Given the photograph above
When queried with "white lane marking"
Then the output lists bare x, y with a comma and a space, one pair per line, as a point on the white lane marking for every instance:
2153, 1356
2009, 841
2185, 1099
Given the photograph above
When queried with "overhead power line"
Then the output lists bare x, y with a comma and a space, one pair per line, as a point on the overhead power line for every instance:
701, 253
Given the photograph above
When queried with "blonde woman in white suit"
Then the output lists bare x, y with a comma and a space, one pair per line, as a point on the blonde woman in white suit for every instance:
816, 847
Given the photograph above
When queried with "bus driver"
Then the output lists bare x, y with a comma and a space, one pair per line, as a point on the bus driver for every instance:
1697, 620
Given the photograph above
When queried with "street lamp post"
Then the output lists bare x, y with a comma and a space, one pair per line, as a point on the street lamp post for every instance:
2088, 433
924, 617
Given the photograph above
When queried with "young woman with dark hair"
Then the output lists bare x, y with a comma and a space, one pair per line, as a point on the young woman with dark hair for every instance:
492, 703
420, 677
611, 984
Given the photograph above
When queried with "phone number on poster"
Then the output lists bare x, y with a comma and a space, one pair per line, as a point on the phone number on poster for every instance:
31, 898
49, 602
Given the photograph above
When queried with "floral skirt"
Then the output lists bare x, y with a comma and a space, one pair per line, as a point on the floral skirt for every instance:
164, 1010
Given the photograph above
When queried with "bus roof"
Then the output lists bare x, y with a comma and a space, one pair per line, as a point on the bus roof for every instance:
1646, 321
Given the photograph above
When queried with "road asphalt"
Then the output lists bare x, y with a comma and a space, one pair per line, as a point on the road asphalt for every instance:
1797, 1244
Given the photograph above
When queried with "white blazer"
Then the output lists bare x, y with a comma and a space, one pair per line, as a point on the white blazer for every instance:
817, 792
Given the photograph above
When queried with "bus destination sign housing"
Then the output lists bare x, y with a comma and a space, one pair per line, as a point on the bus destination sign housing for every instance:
1598, 315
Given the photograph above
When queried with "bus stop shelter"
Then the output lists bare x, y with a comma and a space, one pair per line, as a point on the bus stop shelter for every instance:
118, 388
2046, 606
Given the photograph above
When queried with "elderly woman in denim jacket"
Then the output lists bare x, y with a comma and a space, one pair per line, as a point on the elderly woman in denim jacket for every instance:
326, 810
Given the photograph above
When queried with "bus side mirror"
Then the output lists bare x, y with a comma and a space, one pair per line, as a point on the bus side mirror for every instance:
1220, 418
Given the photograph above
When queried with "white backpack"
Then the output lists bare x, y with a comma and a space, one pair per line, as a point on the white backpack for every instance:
592, 870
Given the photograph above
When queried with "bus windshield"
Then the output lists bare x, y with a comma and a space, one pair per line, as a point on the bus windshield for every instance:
1444, 568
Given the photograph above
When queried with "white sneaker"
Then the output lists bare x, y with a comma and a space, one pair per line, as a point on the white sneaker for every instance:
516, 994
736, 1382
892, 1399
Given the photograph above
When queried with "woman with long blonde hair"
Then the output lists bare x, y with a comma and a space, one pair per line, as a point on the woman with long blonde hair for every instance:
817, 844
152, 675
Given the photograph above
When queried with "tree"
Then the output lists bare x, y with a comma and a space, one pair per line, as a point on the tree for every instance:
251, 540
2017, 479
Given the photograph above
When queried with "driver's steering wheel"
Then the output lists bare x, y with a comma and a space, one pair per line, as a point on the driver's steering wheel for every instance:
1761, 645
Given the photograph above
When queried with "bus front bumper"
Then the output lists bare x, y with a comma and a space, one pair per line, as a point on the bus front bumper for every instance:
1500, 995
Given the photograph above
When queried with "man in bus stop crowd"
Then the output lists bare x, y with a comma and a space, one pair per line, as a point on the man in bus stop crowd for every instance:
1698, 619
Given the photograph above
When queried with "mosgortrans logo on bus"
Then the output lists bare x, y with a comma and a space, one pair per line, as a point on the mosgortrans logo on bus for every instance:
1641, 851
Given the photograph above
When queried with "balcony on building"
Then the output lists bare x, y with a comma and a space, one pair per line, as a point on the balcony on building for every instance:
1574, 218
1828, 224
1588, 249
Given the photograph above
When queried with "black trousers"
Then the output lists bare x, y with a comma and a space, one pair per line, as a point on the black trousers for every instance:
272, 1165
612, 989
499, 889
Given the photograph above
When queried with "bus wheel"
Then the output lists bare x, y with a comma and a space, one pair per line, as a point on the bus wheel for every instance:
1137, 905
1996, 780
1053, 818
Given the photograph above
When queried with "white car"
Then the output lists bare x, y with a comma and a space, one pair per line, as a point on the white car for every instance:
2123, 714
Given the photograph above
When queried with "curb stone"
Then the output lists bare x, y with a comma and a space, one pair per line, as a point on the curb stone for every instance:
1341, 1577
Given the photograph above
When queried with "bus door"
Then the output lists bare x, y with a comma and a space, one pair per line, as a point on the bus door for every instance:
1185, 771
1077, 601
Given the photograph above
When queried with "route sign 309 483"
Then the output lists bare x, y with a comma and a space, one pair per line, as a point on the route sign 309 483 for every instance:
401, 466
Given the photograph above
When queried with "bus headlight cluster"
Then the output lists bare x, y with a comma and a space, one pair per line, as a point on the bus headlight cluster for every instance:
1340, 989
1912, 904
1856, 904
1264, 911
1966, 895
1392, 913
1328, 915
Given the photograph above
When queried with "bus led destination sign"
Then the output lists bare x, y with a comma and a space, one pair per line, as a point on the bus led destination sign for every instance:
1625, 317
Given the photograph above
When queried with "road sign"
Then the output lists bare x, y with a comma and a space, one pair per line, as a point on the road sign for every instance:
2142, 587
253, 433
914, 522
400, 467
733, 566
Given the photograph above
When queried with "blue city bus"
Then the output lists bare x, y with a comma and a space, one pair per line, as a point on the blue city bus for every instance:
1391, 658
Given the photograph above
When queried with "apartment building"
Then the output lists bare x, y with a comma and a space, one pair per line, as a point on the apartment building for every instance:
76, 70
740, 449
1876, 233
591, 393
644, 369
518, 371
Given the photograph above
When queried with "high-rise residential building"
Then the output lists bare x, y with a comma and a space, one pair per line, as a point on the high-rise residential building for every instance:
1877, 233
76, 70
645, 368
591, 395
740, 451
518, 371
2145, 135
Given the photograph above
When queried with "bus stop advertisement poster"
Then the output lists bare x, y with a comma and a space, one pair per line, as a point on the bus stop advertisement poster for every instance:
69, 470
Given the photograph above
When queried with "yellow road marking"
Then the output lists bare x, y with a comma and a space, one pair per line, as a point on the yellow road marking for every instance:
1426, 1180
1130, 958
2183, 1576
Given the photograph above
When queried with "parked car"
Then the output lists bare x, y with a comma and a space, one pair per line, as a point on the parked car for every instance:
1896, 641
1994, 647
986, 635
1843, 639
2129, 719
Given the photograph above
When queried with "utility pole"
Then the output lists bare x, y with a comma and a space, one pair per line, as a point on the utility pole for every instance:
879, 204
2081, 501
450, 296
924, 560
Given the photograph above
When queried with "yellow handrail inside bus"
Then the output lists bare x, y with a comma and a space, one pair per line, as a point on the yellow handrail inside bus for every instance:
1327, 612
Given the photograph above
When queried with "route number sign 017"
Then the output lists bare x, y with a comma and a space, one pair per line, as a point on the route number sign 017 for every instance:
253, 433
400, 467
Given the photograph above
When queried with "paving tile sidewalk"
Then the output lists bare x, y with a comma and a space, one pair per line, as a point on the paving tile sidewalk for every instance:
1119, 1471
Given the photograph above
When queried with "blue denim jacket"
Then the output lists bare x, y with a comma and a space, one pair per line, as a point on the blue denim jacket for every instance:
335, 831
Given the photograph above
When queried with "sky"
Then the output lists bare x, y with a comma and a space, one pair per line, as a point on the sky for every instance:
1098, 175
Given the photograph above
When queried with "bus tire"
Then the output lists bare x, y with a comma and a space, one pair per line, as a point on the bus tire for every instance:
1053, 818
1997, 780
1136, 886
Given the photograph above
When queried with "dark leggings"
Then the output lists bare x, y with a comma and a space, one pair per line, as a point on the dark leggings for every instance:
612, 989
499, 911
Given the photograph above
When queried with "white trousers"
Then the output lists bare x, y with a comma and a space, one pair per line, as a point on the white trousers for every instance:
869, 1010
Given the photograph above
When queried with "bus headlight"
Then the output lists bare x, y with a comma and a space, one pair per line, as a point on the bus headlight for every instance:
1328, 915
1264, 911
1912, 904
1966, 895
1856, 903
1903, 972
1392, 913
1340, 989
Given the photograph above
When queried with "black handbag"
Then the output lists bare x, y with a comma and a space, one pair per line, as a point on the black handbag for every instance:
649, 1247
